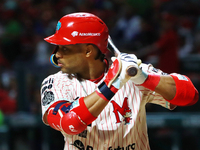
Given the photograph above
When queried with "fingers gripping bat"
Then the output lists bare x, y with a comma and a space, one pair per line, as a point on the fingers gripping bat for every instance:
131, 70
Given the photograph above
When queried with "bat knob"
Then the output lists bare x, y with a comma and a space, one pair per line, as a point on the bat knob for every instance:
132, 71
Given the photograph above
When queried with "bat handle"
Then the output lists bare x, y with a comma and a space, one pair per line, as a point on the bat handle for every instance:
131, 71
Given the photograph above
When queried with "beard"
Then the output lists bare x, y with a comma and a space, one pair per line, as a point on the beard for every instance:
71, 76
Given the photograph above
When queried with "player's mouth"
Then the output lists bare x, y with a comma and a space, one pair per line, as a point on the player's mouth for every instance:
60, 64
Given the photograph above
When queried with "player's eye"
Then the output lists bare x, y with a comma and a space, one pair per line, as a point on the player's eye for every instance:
64, 49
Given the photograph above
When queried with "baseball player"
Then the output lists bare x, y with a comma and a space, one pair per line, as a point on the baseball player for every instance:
97, 106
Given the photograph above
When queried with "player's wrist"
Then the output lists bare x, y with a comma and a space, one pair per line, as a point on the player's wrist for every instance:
106, 92
151, 81
114, 80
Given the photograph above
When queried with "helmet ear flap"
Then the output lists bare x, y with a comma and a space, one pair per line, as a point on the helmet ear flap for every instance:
53, 59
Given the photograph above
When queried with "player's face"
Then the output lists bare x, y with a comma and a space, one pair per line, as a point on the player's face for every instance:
72, 58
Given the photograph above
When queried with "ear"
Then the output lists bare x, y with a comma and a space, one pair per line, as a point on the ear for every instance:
89, 50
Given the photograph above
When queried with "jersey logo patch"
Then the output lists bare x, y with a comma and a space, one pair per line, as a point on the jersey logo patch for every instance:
48, 84
125, 111
48, 98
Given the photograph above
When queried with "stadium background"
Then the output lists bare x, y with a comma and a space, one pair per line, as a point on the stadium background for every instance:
133, 24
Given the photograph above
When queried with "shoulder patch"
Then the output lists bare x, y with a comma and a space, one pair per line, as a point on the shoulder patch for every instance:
47, 98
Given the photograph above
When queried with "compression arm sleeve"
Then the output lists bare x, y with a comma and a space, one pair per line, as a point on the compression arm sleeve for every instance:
186, 93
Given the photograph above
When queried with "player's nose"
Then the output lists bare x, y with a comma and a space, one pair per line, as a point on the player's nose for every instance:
58, 53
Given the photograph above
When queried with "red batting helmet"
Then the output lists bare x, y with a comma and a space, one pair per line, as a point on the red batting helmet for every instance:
80, 28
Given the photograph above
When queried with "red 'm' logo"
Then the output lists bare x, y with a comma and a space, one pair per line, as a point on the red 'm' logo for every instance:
125, 111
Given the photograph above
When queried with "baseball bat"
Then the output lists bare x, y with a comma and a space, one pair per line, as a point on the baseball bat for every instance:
131, 71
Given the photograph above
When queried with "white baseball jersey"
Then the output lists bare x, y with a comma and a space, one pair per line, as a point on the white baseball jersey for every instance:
122, 123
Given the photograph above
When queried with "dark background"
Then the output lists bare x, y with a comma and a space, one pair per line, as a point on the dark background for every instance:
133, 25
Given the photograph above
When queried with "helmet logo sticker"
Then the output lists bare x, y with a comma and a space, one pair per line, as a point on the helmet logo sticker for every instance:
58, 26
74, 33
89, 34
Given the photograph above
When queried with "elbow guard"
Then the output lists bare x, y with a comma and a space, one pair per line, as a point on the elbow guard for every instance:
186, 93
69, 117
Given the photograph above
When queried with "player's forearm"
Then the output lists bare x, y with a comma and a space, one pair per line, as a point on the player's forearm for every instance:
166, 87
95, 104
175, 88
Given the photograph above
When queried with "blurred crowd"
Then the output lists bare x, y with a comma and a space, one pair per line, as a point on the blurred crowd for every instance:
161, 32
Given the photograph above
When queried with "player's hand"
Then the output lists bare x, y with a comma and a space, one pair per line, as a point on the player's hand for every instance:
132, 60
141, 75
117, 76
127, 60
131, 63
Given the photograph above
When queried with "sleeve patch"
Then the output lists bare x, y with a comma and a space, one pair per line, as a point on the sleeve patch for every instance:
181, 77
75, 104
47, 98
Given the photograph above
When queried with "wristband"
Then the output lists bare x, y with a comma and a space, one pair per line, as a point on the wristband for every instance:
106, 93
111, 84
152, 81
